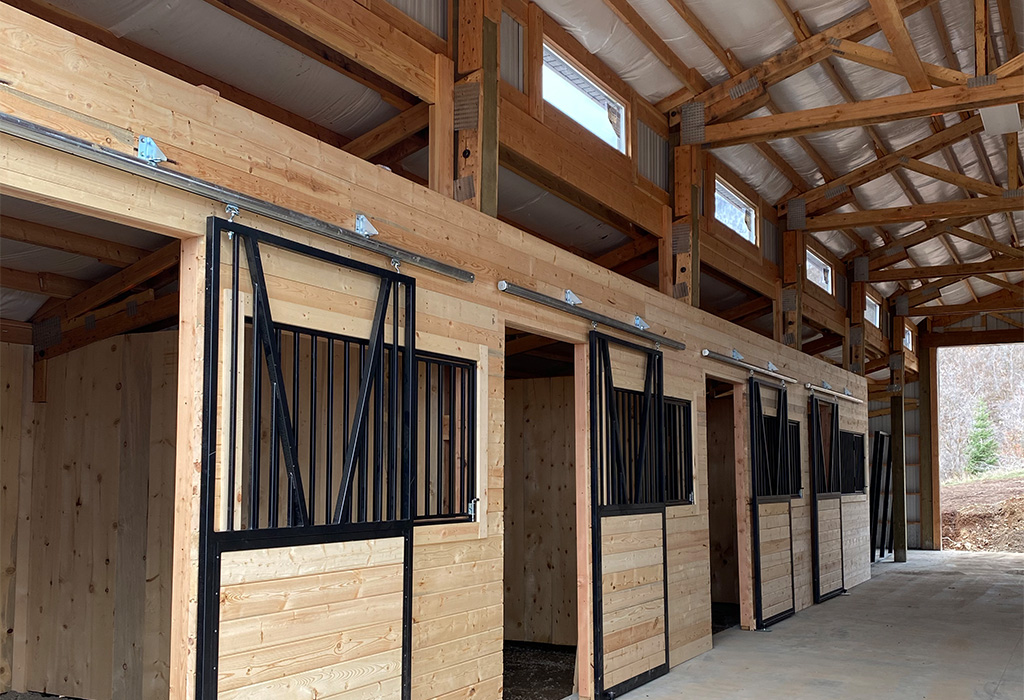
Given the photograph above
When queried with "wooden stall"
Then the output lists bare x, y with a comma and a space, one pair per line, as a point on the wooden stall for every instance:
439, 630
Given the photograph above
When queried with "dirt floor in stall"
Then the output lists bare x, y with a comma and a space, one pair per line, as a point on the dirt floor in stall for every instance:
985, 515
538, 671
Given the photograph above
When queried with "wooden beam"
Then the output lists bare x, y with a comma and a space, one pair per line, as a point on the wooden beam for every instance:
118, 284
107, 252
18, 332
442, 127
877, 111
889, 254
948, 339
1015, 289
1006, 20
981, 36
817, 200
1011, 305
646, 34
985, 242
390, 133
627, 252
748, 311
1011, 67
967, 183
895, 30
999, 264
980, 206
1006, 319
48, 283
349, 38
1012, 161
147, 314
826, 342
939, 76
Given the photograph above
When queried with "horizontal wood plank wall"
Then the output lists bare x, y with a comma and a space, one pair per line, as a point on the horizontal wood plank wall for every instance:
776, 566
317, 621
540, 507
830, 540
224, 143
633, 595
92, 608
856, 539
689, 584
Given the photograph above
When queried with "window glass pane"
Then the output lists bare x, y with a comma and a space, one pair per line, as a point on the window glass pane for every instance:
735, 212
872, 312
908, 339
580, 98
819, 271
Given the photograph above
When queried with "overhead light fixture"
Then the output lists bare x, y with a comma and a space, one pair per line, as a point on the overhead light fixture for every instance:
640, 323
1001, 119
571, 299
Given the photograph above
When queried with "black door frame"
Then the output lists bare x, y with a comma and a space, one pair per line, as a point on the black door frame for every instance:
761, 463
298, 530
636, 490
833, 482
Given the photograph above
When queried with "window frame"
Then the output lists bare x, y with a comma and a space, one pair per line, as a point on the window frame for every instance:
908, 338
685, 478
625, 137
868, 301
734, 192
852, 476
831, 288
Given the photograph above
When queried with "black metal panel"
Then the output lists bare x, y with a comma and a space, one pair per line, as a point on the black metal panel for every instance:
628, 476
306, 525
825, 480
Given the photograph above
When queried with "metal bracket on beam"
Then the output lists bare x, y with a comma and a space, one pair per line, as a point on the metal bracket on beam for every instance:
861, 269
796, 214
691, 123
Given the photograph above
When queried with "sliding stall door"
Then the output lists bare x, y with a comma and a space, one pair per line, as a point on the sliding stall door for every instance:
826, 500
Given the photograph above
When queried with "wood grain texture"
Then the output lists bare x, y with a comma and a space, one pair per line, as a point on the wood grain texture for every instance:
91, 611
774, 529
540, 507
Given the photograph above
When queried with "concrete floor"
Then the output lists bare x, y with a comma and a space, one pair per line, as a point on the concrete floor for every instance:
943, 626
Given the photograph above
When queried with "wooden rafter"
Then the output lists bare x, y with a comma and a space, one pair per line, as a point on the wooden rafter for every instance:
980, 206
48, 283
18, 332
981, 306
883, 109
895, 30
980, 37
106, 252
121, 282
329, 37
939, 76
953, 178
390, 133
1000, 264
1016, 290
627, 252
689, 77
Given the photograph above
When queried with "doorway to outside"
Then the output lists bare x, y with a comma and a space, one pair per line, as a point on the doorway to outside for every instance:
724, 554
540, 514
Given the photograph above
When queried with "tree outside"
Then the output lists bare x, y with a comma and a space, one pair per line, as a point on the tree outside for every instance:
982, 448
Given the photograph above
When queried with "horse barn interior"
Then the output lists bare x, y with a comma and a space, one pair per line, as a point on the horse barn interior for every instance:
493, 348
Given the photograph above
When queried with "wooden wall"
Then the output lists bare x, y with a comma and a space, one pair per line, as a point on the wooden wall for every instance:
721, 466
540, 511
458, 628
91, 474
313, 621
633, 595
830, 542
774, 530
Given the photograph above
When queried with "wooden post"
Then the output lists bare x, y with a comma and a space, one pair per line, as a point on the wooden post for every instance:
442, 127
187, 469
744, 527
791, 300
931, 537
855, 335
897, 377
681, 271
477, 144
584, 567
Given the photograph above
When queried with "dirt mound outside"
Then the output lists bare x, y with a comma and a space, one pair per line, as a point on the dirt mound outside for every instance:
992, 527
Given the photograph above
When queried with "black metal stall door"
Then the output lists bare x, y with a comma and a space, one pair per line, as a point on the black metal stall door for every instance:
826, 500
308, 443
771, 518
627, 437
881, 494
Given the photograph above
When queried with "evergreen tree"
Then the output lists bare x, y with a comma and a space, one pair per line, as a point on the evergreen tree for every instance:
982, 448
